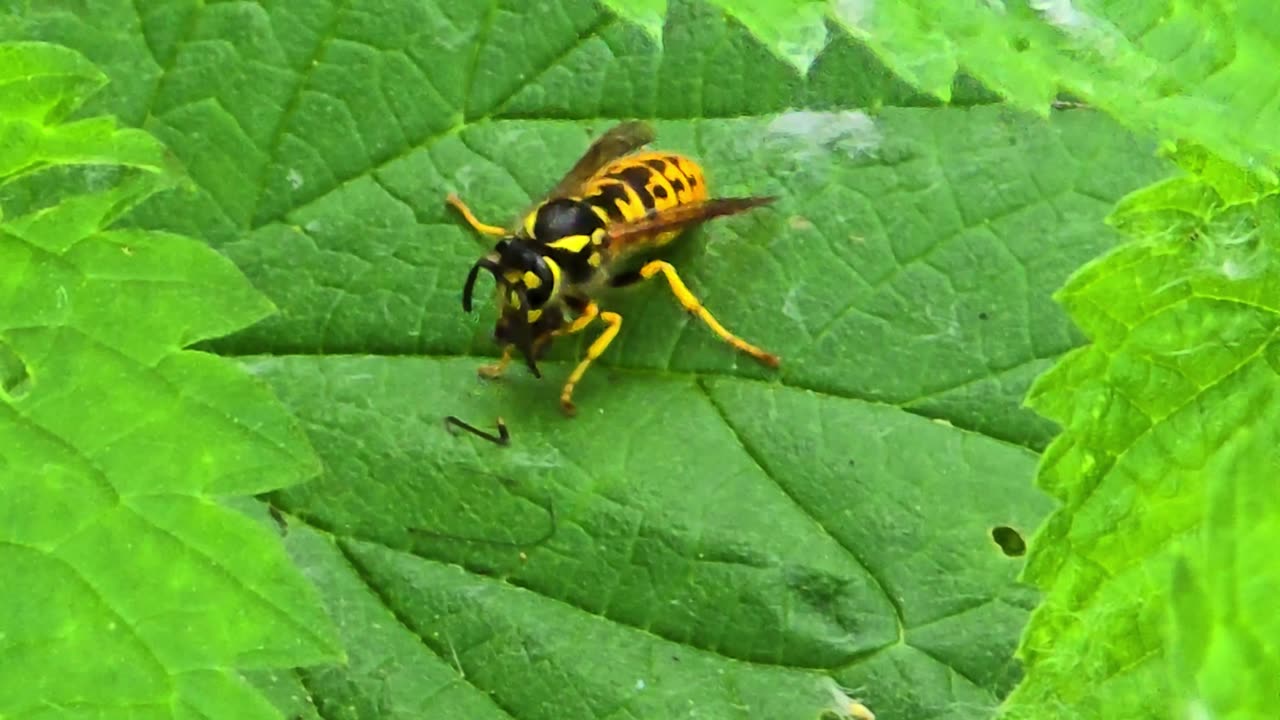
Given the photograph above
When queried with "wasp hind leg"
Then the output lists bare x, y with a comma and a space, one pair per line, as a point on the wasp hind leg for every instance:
471, 219
695, 307
613, 321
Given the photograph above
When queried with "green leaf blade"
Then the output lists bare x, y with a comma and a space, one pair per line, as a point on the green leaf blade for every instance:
42, 83
903, 275
118, 444
1221, 611
650, 15
1181, 70
1180, 375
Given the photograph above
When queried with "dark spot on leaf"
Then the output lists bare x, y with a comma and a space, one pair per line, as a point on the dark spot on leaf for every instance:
14, 379
1021, 44
1168, 87
983, 316
282, 523
1009, 540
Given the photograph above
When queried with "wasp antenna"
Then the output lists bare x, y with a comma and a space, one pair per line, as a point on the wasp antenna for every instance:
503, 437
469, 287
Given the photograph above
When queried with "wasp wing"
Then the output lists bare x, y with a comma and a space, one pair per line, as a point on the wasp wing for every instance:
625, 236
619, 140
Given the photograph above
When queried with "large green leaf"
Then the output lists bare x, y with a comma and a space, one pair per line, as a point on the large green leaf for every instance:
1224, 648
728, 540
1180, 68
793, 29
1183, 69
131, 591
1165, 468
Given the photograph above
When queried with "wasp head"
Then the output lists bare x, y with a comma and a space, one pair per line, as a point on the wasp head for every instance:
528, 282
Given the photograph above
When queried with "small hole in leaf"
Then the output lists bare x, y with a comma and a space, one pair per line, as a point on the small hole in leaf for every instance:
14, 380
1009, 540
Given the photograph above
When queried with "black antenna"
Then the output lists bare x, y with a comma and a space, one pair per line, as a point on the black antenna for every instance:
470, 285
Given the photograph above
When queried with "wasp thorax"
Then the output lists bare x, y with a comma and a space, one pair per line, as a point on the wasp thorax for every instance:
563, 217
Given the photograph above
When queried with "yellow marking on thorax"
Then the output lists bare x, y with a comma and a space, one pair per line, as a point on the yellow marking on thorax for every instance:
555, 278
572, 243
531, 219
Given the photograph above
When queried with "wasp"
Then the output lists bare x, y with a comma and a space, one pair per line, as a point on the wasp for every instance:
616, 203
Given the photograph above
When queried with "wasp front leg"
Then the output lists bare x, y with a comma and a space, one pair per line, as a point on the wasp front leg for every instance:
494, 370
471, 219
614, 322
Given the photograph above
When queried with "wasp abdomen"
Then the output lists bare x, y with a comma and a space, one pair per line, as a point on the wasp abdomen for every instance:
632, 187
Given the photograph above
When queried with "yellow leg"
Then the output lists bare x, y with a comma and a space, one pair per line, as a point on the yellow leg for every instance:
614, 321
579, 323
493, 371
471, 219
693, 305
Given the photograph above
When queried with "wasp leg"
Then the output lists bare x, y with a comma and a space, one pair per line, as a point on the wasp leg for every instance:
693, 305
471, 219
493, 371
614, 321
588, 316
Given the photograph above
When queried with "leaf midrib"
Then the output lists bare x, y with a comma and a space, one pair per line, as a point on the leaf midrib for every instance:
691, 377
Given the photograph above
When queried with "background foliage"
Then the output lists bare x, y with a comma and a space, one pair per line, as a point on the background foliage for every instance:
117, 445
730, 541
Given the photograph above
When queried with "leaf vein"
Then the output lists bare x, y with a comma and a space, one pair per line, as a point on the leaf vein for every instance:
383, 599
839, 316
756, 457
272, 148
602, 21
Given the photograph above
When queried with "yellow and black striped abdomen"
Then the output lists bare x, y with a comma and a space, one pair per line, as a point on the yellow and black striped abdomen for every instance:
631, 187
